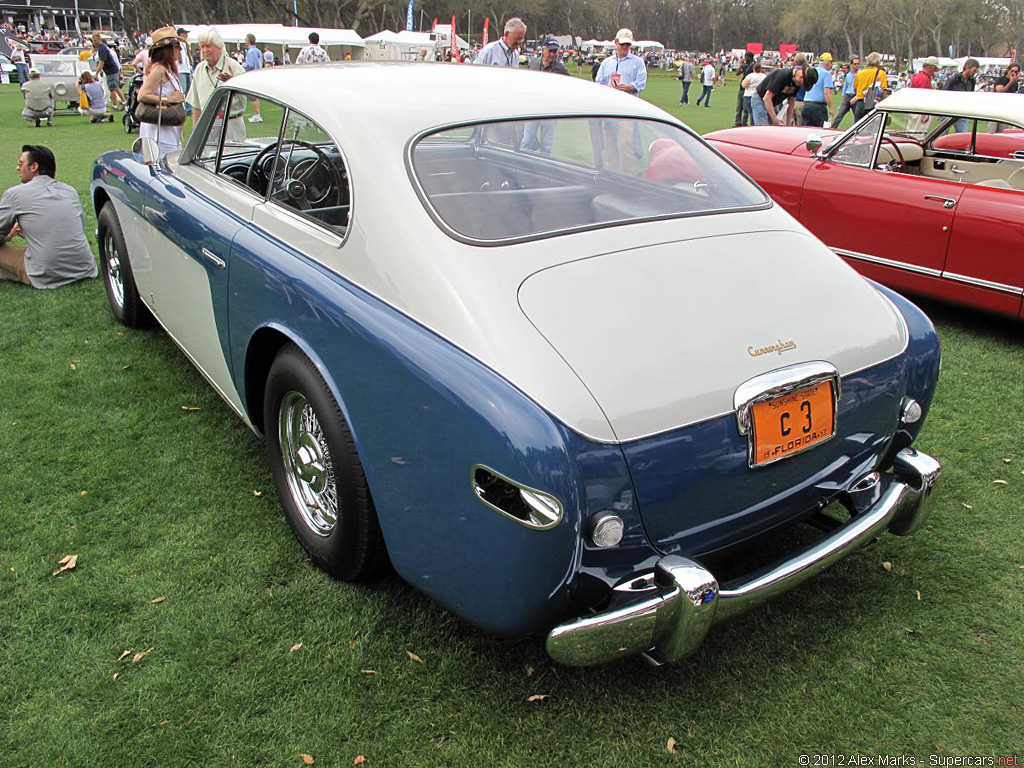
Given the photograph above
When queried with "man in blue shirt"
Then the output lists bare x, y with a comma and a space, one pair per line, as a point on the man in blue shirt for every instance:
504, 52
818, 100
253, 60
623, 71
848, 92
627, 73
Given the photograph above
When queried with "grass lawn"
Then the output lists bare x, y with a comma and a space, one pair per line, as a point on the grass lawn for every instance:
115, 449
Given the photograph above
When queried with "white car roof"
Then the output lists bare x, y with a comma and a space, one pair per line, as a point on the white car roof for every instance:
1006, 108
404, 98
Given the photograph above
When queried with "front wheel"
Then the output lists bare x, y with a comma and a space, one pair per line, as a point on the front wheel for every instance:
317, 471
122, 293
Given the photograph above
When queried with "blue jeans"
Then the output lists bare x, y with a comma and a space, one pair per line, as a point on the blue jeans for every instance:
22, 73
185, 78
962, 125
705, 96
747, 117
759, 112
539, 135
686, 92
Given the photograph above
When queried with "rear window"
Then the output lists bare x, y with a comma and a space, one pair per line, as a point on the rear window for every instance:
517, 180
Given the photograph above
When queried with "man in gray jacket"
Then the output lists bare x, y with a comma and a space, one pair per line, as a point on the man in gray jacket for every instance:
49, 215
686, 73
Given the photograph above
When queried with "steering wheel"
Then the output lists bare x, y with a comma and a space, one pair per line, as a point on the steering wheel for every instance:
901, 164
307, 183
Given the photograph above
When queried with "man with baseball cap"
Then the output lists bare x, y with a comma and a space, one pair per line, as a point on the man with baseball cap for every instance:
625, 72
923, 79
540, 134
818, 97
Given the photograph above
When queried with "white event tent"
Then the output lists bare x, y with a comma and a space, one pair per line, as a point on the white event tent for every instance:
338, 42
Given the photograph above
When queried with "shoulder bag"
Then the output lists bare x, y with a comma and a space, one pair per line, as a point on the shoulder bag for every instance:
160, 114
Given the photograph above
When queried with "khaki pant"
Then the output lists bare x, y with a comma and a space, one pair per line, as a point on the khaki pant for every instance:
12, 264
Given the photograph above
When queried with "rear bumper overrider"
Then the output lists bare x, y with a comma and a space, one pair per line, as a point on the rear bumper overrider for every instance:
669, 622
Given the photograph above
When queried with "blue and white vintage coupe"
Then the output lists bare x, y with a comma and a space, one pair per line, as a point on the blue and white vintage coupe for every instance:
528, 338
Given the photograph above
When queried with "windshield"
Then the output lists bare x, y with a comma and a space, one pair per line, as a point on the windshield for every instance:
520, 179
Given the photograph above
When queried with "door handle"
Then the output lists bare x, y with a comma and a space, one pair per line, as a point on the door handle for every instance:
947, 202
1019, 154
956, 169
213, 258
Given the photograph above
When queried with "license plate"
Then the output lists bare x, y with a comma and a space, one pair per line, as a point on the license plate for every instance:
792, 422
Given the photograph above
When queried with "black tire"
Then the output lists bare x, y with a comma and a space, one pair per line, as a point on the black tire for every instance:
317, 471
116, 271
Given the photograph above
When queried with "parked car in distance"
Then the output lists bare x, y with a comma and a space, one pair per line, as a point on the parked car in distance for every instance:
62, 72
536, 343
925, 193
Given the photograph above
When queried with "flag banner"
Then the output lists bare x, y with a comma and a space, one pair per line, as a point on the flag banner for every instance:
755, 48
408, 17
455, 45
434, 25
786, 50
487, 24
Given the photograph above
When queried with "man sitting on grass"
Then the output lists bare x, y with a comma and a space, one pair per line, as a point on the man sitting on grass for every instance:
49, 215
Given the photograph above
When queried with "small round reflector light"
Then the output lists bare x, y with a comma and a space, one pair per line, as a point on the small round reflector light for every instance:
606, 530
911, 411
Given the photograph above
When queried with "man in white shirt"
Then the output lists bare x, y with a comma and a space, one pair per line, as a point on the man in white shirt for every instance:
707, 79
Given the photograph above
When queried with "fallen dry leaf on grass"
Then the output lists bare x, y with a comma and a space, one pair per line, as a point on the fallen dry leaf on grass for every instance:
968, 506
671, 746
115, 676
83, 494
537, 697
919, 595
73, 367
156, 600
369, 671
413, 657
125, 653
138, 656
257, 494
351, 645
191, 408
164, 722
307, 759
294, 648
529, 671
359, 760
1000, 482
1008, 461
887, 565
67, 563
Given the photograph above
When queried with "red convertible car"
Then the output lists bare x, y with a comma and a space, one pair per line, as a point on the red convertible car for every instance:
924, 194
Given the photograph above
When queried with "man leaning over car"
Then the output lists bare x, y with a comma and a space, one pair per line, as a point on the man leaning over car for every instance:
49, 215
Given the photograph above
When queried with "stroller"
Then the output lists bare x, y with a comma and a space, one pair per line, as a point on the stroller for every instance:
130, 123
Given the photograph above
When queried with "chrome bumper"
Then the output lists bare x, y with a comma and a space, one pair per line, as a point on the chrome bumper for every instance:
672, 622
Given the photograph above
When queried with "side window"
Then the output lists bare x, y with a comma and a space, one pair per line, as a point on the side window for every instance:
309, 175
247, 154
957, 135
859, 146
207, 154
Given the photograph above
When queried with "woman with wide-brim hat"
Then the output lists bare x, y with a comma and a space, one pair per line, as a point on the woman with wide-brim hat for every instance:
161, 85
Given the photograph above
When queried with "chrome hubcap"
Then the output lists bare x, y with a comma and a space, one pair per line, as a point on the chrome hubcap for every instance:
113, 269
307, 463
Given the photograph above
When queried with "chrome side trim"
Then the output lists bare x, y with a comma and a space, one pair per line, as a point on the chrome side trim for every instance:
1001, 287
888, 262
672, 623
992, 286
768, 386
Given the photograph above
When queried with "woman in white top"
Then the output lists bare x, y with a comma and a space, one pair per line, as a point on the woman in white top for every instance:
750, 83
162, 84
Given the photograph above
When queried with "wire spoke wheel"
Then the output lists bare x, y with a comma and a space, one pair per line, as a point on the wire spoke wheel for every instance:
308, 465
